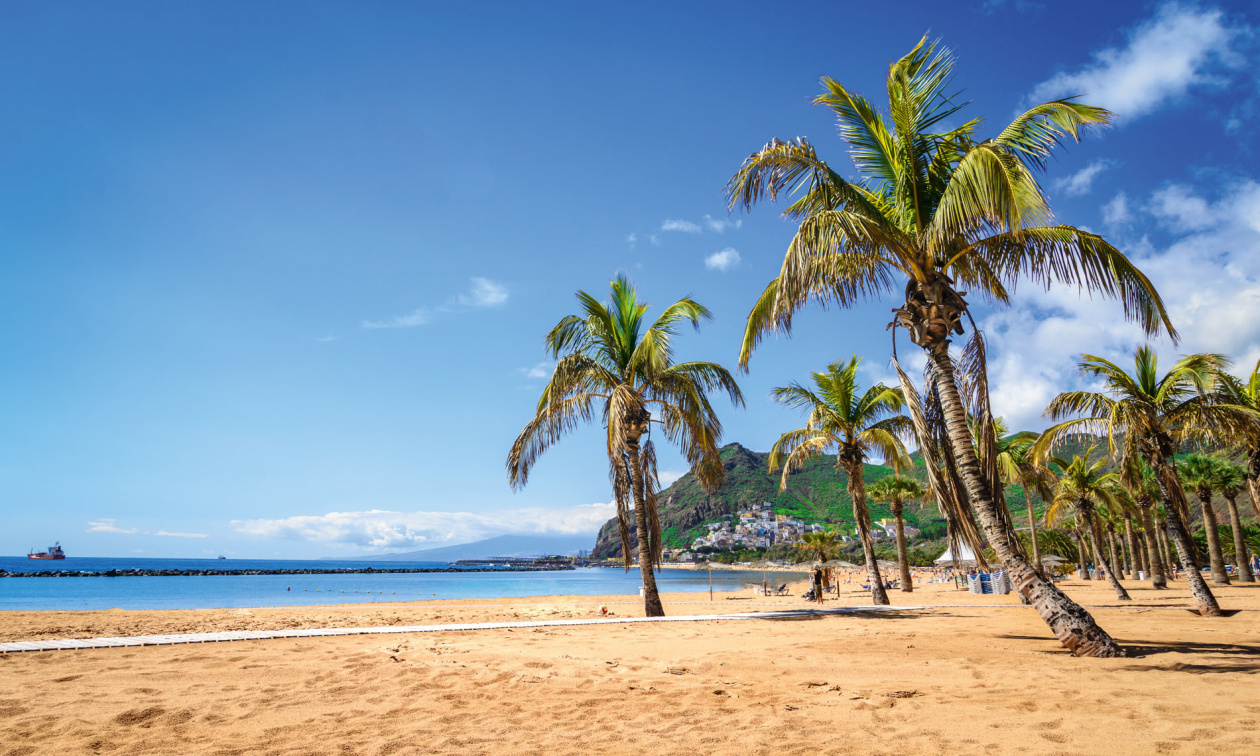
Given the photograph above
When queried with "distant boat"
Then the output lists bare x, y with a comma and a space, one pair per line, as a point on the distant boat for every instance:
54, 552
222, 557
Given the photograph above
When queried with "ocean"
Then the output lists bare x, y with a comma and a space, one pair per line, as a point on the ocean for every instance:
233, 591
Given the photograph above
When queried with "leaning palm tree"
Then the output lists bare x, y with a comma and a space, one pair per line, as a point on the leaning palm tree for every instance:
610, 367
1201, 473
1083, 486
1154, 414
896, 489
942, 210
1231, 480
853, 423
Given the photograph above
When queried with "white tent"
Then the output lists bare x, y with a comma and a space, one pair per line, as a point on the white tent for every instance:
965, 554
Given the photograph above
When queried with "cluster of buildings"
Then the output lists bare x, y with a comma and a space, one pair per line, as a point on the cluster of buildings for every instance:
757, 528
761, 528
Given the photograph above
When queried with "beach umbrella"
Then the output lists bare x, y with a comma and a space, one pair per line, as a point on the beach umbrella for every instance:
1053, 559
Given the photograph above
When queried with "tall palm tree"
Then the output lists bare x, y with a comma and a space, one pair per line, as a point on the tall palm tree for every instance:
1139, 480
896, 489
1017, 467
942, 210
1200, 473
1154, 414
1231, 480
610, 367
853, 423
1246, 393
1083, 486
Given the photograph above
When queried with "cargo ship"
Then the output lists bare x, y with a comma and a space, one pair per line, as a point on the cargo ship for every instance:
54, 552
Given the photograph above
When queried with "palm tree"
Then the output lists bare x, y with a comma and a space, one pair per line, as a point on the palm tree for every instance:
1246, 393
818, 546
1139, 480
896, 489
1201, 473
941, 210
1154, 415
852, 422
1231, 481
610, 367
1083, 487
1016, 466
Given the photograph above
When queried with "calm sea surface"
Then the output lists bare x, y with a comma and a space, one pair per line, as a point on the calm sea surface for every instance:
214, 591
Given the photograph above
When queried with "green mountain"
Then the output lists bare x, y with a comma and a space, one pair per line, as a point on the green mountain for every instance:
817, 493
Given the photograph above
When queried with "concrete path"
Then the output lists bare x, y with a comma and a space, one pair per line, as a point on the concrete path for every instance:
170, 640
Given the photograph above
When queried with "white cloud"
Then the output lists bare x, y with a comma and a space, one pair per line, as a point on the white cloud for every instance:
723, 261
541, 370
632, 239
719, 225
1165, 57
1082, 182
381, 529
667, 478
484, 293
1180, 209
180, 535
418, 318
1208, 276
107, 525
680, 225
326, 339
654, 240
1116, 211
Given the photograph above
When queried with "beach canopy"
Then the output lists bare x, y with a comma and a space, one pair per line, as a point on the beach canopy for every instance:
965, 554
836, 563
1053, 559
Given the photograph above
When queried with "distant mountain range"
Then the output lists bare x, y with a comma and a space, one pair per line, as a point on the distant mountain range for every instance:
499, 546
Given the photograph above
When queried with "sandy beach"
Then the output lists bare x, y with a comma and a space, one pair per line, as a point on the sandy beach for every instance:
966, 674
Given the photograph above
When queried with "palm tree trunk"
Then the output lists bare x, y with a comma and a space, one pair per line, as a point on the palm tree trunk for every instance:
651, 598
1154, 558
1082, 571
1032, 530
1072, 625
1210, 529
1131, 543
1242, 559
1101, 564
1253, 490
1179, 534
1115, 563
857, 489
902, 560
1165, 547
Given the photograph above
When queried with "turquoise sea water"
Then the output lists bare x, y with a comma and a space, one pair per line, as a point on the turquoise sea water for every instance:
215, 591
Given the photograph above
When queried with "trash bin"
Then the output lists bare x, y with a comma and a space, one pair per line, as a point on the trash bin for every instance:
1141, 574
642, 591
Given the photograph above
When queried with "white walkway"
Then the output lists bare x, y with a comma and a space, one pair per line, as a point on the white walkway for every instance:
170, 640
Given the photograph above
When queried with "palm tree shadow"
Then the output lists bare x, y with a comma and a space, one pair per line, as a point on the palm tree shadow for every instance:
1244, 658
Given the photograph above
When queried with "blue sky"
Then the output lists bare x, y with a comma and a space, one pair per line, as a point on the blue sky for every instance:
276, 276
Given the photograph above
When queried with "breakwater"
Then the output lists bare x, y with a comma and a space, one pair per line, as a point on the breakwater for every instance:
292, 571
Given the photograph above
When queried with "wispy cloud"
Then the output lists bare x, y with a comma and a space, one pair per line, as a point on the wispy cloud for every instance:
1180, 209
1116, 212
380, 529
484, 293
107, 525
326, 339
687, 227
541, 370
1082, 182
724, 260
632, 239
654, 240
720, 225
180, 535
1180, 48
417, 318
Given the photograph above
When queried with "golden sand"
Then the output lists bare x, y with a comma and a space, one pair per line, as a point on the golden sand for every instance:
969, 674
